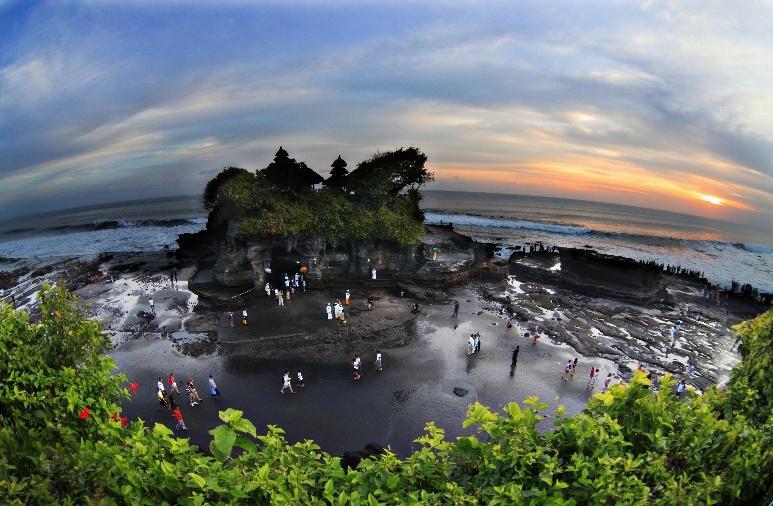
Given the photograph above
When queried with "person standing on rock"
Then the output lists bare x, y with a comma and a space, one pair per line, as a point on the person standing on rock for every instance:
680, 388
213, 390
477, 342
329, 310
373, 273
346, 297
607, 381
378, 361
509, 325
574, 367
567, 371
152, 306
471, 344
456, 309
514, 361
244, 317
286, 383
267, 288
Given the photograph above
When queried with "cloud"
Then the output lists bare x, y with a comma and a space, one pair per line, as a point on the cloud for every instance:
655, 102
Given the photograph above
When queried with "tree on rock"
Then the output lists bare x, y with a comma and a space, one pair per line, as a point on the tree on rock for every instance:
289, 175
390, 172
337, 177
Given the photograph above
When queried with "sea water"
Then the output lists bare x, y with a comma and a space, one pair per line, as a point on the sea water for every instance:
725, 252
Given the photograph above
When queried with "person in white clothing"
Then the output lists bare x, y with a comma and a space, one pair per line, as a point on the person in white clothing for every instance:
160, 385
152, 306
301, 384
329, 310
378, 361
373, 273
267, 288
286, 383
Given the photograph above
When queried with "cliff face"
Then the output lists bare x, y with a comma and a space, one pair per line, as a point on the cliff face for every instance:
443, 257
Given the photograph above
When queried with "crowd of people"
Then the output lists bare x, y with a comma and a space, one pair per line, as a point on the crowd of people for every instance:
166, 399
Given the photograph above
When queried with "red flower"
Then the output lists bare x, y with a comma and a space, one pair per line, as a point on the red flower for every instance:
85, 413
133, 387
124, 420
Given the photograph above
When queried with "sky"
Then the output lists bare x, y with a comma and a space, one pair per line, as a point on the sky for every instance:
662, 104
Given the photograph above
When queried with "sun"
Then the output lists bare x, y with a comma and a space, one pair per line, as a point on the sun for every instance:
711, 199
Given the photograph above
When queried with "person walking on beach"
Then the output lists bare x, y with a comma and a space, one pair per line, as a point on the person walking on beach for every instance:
286, 383
567, 370
213, 390
329, 310
193, 394
456, 309
299, 376
378, 361
162, 399
178, 415
594, 372
477, 342
172, 384
607, 381
160, 385
357, 366
514, 361
574, 367
152, 306
471, 344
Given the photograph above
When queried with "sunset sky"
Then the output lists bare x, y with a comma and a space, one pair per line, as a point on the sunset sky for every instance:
656, 104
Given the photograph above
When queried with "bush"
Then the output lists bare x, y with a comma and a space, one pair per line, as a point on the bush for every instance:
629, 446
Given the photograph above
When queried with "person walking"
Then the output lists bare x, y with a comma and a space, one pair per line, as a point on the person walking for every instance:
477, 342
329, 310
346, 297
357, 366
299, 377
152, 306
162, 399
471, 344
286, 383
213, 390
456, 309
373, 273
509, 325
193, 394
378, 361
172, 384
514, 361
574, 367
178, 415
607, 381
567, 371
160, 385
267, 289
594, 372
371, 305
244, 317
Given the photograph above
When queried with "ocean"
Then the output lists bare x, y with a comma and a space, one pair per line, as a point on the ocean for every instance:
725, 252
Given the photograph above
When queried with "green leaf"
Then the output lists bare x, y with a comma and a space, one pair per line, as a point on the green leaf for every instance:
224, 440
198, 480
230, 415
244, 425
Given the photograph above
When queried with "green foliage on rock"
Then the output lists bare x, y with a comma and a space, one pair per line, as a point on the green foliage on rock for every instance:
278, 200
629, 446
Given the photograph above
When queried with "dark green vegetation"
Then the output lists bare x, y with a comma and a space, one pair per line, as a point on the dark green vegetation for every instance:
629, 445
379, 200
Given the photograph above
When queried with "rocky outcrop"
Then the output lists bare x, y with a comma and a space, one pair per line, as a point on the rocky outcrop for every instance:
594, 274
